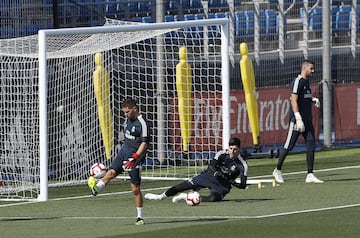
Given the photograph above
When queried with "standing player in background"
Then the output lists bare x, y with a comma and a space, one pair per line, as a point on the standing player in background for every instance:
130, 157
219, 177
301, 122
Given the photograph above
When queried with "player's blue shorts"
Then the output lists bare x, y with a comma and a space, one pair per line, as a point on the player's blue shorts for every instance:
117, 164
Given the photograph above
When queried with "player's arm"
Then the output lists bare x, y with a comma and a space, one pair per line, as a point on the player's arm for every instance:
295, 107
242, 184
145, 139
293, 101
243, 174
142, 148
135, 160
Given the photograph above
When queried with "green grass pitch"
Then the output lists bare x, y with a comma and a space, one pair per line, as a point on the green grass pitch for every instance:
293, 209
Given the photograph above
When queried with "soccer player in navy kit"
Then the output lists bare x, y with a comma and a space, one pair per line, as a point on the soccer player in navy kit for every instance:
219, 177
301, 122
130, 157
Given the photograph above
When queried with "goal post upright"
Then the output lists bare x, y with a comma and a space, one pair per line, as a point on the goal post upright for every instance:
43, 120
225, 67
43, 78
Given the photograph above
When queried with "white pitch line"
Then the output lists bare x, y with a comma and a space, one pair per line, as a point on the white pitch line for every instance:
192, 217
304, 172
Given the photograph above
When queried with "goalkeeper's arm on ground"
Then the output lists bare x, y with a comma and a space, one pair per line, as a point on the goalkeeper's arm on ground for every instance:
242, 184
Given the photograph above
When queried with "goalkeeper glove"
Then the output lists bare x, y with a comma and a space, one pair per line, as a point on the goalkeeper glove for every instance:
299, 122
130, 163
316, 101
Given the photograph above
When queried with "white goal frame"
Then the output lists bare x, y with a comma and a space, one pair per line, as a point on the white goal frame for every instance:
43, 74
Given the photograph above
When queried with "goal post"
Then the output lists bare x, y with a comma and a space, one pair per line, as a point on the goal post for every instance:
66, 123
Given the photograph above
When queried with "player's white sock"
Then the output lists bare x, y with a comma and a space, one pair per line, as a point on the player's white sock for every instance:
163, 195
140, 213
100, 185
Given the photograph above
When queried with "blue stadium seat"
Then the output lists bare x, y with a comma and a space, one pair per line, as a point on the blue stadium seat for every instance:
112, 8
171, 6
189, 17
273, 2
357, 18
195, 5
217, 4
136, 19
147, 20
176, 5
132, 7
271, 22
199, 16
334, 11
343, 19
192, 34
30, 29
185, 4
262, 23
240, 25
316, 20
169, 18
6, 31
171, 37
214, 31
250, 25
145, 7
222, 15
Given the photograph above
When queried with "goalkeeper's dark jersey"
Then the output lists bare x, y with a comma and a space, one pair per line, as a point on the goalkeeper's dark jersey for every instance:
226, 169
301, 87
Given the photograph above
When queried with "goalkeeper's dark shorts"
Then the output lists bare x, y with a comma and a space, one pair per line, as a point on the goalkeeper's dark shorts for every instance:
207, 180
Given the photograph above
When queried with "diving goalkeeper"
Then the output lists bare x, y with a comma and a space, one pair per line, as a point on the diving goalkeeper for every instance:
219, 177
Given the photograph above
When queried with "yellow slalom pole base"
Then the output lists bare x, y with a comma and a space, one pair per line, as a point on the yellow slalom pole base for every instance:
260, 182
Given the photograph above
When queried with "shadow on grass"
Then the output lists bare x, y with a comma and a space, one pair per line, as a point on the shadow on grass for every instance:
210, 219
248, 200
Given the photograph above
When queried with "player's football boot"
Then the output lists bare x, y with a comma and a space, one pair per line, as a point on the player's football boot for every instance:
278, 176
151, 196
179, 198
139, 221
92, 185
310, 178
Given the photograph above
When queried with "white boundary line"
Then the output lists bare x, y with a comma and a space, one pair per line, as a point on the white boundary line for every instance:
192, 217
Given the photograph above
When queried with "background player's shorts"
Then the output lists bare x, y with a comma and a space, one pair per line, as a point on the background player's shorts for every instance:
117, 166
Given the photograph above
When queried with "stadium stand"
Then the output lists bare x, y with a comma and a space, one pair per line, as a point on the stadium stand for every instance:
76, 13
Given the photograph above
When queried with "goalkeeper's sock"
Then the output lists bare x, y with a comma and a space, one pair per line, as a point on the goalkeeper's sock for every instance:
100, 185
162, 196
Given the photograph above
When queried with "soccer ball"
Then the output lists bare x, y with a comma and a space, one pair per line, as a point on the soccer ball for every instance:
192, 198
98, 170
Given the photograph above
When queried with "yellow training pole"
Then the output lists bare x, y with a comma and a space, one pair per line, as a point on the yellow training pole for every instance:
184, 88
248, 79
102, 94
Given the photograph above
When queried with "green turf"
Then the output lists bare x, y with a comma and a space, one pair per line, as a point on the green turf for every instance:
294, 209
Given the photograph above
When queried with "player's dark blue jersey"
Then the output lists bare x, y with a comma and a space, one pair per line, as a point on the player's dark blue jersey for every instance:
230, 169
135, 132
301, 87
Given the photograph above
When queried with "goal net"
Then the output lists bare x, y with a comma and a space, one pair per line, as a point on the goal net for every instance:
51, 129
